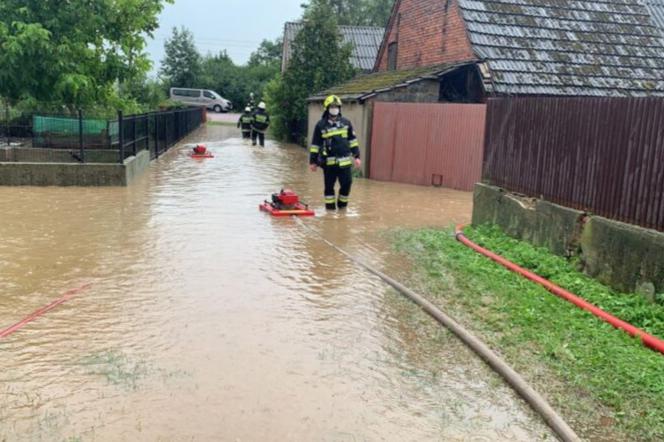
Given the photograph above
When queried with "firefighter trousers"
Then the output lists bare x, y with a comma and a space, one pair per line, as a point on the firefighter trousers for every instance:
257, 135
345, 177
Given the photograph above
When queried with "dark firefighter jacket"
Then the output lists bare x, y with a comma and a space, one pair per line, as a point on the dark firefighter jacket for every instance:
245, 122
260, 121
334, 143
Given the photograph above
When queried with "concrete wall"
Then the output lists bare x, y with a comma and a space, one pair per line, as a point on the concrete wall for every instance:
73, 174
626, 257
135, 166
39, 155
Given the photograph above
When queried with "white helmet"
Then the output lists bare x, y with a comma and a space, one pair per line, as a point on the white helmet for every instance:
251, 95
261, 105
247, 109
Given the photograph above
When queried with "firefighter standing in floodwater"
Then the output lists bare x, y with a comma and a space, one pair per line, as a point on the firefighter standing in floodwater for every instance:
335, 148
245, 122
259, 124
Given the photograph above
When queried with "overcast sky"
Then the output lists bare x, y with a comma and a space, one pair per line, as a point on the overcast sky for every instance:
238, 26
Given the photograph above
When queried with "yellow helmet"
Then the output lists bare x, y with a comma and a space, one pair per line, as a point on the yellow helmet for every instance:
332, 99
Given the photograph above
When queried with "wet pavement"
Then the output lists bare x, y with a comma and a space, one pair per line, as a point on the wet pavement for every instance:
228, 117
208, 320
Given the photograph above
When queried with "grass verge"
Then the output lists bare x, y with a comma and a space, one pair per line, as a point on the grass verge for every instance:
605, 383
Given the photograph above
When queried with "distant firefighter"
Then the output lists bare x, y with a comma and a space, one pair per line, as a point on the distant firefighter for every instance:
245, 122
259, 124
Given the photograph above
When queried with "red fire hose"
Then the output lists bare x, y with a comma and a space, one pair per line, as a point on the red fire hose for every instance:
36, 314
648, 340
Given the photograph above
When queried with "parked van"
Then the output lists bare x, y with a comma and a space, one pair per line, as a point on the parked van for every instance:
201, 97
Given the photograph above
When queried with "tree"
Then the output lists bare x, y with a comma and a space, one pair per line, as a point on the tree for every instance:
357, 12
319, 60
220, 74
234, 82
268, 54
182, 65
73, 52
376, 12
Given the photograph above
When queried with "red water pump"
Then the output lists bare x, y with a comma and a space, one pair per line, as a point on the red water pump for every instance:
200, 151
285, 200
286, 203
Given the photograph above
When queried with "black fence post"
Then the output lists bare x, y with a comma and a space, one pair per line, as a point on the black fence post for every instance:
7, 121
147, 132
121, 136
80, 135
156, 135
178, 135
165, 132
133, 133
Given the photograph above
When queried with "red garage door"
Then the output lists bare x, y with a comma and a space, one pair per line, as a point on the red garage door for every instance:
428, 144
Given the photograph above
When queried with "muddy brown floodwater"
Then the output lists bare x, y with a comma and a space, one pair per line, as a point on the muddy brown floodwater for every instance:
210, 321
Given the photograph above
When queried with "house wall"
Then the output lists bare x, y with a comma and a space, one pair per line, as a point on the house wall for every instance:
425, 91
428, 32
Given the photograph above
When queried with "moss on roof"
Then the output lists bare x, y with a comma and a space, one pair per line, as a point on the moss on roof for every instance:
364, 84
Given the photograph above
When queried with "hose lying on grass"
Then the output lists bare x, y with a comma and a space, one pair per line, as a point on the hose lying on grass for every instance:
648, 340
536, 401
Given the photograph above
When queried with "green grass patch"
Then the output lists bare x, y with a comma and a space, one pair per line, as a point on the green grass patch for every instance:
118, 368
607, 384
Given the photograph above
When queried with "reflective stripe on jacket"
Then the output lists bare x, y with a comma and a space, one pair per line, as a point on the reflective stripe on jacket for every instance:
334, 143
260, 121
245, 122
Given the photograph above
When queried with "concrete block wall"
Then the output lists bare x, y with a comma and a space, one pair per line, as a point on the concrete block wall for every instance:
73, 174
623, 256
42, 155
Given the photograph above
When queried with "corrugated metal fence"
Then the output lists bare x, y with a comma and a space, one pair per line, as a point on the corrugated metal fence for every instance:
603, 155
428, 144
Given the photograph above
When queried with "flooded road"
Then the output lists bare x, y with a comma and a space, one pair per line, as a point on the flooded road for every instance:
207, 320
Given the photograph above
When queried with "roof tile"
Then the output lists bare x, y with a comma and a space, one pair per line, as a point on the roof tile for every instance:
569, 47
365, 40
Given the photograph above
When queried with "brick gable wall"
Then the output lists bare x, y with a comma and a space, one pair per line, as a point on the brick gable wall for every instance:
429, 32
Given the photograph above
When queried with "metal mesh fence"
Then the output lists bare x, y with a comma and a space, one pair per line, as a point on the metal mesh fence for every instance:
86, 137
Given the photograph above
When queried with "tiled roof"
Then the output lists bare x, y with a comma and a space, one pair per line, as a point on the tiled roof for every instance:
568, 47
367, 85
657, 10
365, 40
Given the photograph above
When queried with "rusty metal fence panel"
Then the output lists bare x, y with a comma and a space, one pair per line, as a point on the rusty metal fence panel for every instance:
428, 144
601, 155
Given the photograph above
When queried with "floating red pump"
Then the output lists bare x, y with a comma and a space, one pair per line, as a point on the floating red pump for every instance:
287, 197
286, 203
200, 151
